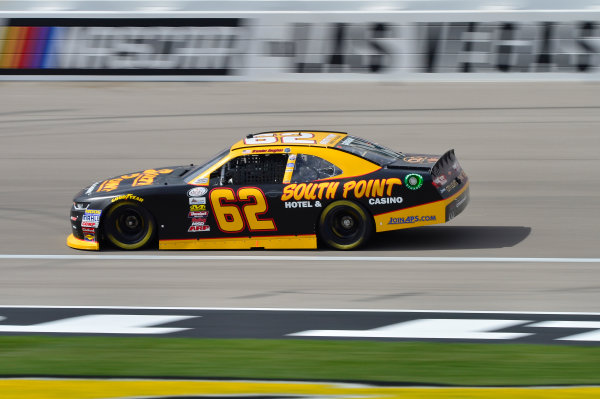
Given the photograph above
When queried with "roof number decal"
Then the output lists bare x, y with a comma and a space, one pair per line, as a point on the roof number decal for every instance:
283, 138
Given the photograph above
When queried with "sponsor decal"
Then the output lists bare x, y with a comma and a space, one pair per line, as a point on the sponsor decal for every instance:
420, 159
147, 177
197, 192
413, 181
201, 181
289, 170
302, 204
88, 230
74, 218
440, 181
197, 200
140, 179
347, 141
385, 201
194, 229
89, 237
411, 219
93, 211
330, 190
327, 139
370, 188
201, 214
127, 197
310, 191
110, 185
246, 151
451, 186
198, 222
91, 188
119, 46
267, 150
197, 208
91, 218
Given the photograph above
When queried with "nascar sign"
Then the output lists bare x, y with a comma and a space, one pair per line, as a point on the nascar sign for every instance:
67, 46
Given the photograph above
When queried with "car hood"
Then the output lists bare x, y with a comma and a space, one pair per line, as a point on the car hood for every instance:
142, 178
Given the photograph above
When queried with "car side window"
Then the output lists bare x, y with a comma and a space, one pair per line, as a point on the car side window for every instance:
250, 169
311, 167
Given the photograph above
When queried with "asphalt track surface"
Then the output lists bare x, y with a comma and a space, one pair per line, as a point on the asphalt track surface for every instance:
531, 151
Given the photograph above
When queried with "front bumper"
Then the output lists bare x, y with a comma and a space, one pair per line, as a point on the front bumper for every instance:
77, 243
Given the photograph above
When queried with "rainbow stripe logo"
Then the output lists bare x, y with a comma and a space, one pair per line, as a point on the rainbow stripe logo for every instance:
27, 47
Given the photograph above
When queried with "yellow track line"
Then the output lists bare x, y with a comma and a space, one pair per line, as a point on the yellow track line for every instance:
36, 388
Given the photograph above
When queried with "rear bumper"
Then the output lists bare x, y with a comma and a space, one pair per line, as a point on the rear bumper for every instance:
458, 204
77, 243
424, 215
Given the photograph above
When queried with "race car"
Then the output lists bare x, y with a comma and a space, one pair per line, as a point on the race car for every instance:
272, 190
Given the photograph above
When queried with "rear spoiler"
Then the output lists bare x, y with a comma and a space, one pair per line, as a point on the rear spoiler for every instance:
447, 175
445, 162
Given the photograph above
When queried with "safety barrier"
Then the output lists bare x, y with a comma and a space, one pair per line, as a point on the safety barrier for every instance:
281, 41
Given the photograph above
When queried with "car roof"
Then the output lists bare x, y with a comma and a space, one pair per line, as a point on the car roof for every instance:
310, 138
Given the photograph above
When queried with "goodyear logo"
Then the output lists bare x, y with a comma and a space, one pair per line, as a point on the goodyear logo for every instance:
127, 197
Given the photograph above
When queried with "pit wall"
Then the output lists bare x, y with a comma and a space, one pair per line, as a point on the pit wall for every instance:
302, 46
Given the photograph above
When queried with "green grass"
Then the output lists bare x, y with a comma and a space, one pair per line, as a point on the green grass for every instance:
461, 364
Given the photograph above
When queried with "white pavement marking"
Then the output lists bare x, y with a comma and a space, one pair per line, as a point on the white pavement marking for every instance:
510, 312
306, 258
429, 329
586, 336
103, 324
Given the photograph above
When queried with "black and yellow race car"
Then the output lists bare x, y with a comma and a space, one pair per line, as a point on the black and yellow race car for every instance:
285, 189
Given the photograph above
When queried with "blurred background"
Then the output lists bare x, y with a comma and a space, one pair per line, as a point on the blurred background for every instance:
92, 89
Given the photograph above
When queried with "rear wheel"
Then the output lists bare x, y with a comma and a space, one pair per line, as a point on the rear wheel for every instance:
345, 225
127, 225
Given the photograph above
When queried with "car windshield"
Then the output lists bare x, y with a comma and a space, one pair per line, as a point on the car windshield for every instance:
203, 168
370, 151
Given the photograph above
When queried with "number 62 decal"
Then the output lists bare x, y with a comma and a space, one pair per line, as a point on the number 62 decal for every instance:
231, 219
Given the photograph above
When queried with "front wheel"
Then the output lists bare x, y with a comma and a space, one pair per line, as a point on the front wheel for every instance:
127, 225
345, 225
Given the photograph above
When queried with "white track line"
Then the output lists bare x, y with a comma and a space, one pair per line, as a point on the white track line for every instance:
307, 258
192, 308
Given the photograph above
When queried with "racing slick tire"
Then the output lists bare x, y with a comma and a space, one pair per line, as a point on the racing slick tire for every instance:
128, 225
345, 225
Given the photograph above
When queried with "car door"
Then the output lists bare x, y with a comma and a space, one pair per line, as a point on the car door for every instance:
244, 195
